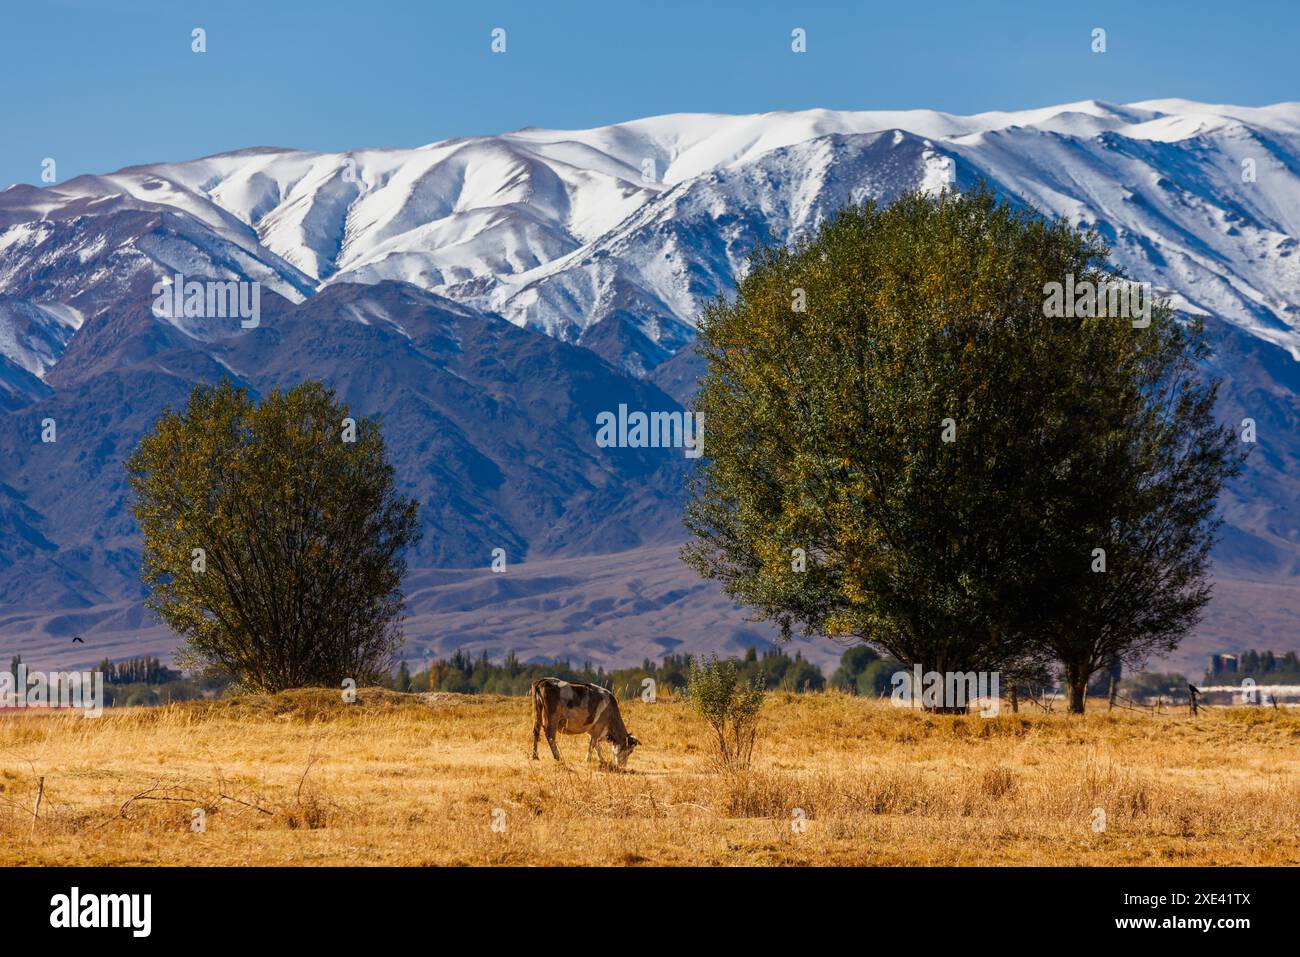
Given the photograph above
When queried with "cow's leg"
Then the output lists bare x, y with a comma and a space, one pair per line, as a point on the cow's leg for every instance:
550, 739
593, 744
537, 715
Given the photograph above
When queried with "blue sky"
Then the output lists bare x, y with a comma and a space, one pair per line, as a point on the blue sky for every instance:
101, 84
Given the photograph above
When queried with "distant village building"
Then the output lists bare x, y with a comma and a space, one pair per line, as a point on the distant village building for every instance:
1223, 664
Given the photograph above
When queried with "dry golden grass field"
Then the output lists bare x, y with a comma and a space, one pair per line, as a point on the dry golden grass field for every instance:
303, 778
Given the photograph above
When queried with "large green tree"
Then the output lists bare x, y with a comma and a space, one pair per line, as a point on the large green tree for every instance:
902, 447
273, 537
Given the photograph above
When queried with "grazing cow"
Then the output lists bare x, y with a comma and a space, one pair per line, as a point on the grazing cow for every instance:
577, 708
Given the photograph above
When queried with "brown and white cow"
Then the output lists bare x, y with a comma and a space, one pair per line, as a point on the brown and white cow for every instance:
577, 708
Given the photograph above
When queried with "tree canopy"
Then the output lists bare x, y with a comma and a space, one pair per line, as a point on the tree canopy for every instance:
273, 537
904, 447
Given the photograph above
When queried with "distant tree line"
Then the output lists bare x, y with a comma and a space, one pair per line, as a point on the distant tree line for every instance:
144, 670
147, 681
466, 674
863, 671
1264, 667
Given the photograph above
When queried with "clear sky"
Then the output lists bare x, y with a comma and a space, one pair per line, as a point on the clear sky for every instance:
101, 84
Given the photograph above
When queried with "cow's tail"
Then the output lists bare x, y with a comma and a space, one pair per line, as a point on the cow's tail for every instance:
537, 703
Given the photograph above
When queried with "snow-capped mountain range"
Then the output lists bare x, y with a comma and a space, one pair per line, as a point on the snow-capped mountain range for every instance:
559, 230
607, 241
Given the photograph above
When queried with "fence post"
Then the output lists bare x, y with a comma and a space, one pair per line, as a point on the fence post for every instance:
36, 811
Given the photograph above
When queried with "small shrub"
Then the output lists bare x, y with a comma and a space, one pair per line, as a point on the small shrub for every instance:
731, 707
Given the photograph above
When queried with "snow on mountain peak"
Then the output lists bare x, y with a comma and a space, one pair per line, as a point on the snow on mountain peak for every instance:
560, 229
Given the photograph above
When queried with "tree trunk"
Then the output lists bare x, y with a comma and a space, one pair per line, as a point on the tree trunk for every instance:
943, 669
1077, 678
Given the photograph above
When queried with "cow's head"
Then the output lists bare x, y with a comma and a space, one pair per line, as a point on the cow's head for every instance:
624, 751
